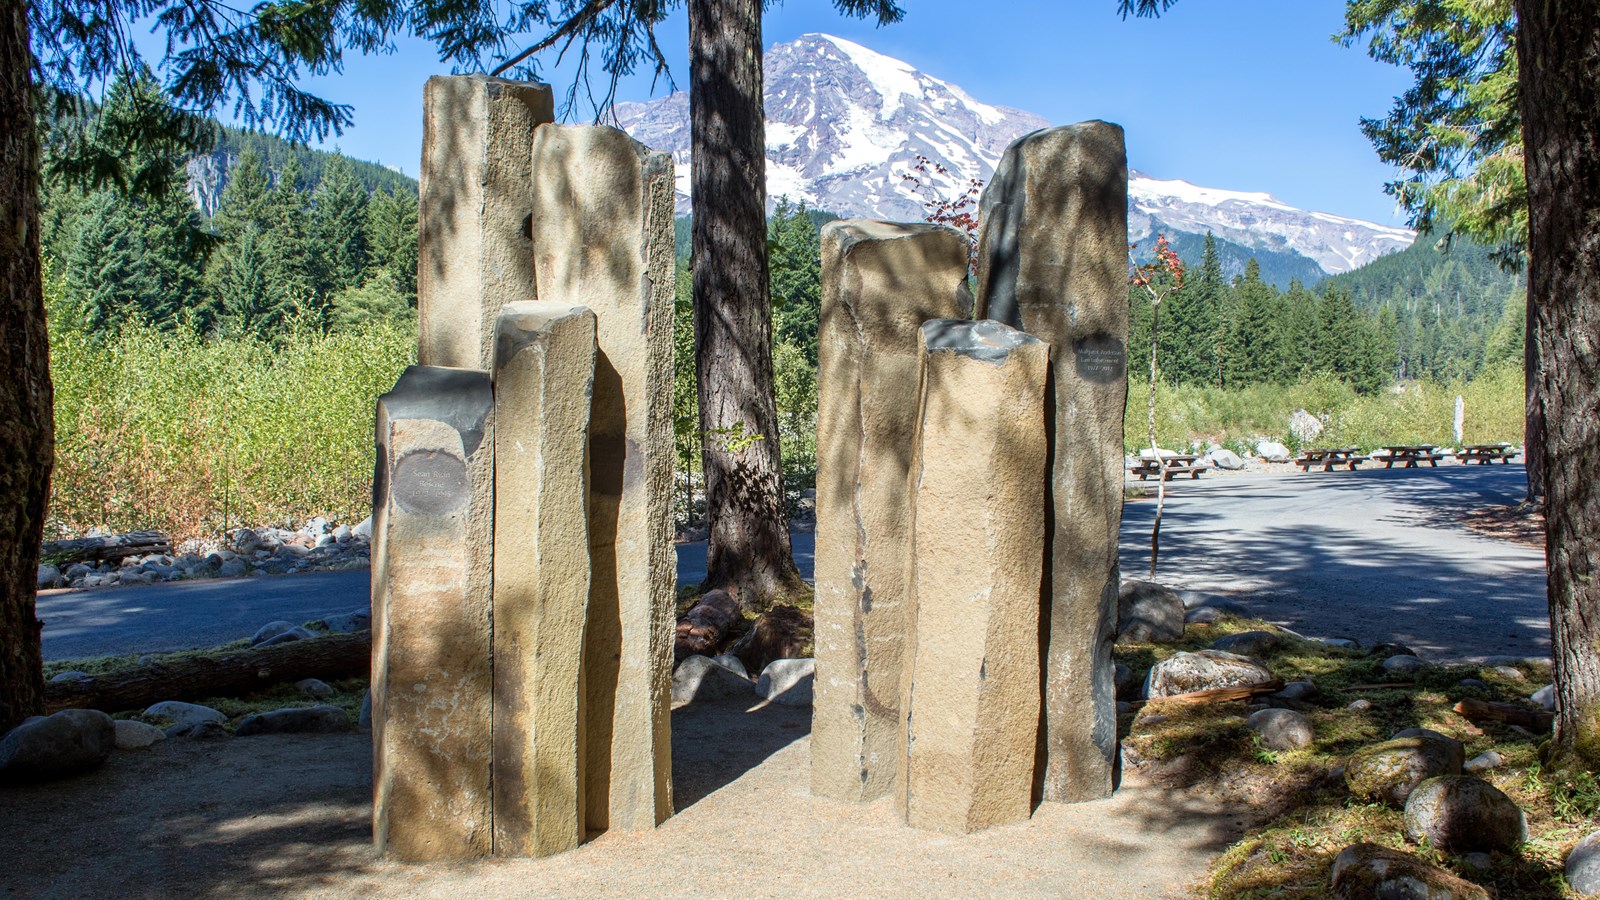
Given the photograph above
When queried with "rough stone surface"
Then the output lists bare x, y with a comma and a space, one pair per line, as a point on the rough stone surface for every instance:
131, 735
181, 713
296, 633
880, 283
731, 662
70, 676
543, 378
270, 630
1182, 673
473, 192
364, 718
1583, 866
1148, 612
970, 695
702, 679
1545, 697
47, 747
314, 687
348, 622
1460, 814
1281, 729
1402, 664
788, 681
1389, 771
1371, 872
602, 238
431, 598
1247, 643
1052, 261
1272, 451
1127, 683
295, 720
1296, 690
1483, 762
199, 731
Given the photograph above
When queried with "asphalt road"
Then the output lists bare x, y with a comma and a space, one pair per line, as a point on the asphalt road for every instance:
1373, 555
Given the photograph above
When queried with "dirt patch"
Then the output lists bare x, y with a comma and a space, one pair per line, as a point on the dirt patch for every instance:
1516, 524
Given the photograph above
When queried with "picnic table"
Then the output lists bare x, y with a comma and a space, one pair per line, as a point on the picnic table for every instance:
1484, 454
1330, 457
1411, 455
1168, 466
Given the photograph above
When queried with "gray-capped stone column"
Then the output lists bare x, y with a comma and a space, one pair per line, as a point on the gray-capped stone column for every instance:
1053, 261
543, 375
970, 703
433, 501
602, 238
472, 216
881, 281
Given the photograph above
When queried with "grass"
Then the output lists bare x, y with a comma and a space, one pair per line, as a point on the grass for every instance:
1306, 814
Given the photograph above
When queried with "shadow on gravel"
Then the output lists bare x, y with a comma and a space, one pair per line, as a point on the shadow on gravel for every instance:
715, 743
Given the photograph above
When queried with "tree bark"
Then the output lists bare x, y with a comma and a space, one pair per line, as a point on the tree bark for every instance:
112, 548
231, 674
1533, 410
749, 553
703, 629
1558, 47
27, 429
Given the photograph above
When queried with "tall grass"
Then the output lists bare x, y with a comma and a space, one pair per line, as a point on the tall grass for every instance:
198, 435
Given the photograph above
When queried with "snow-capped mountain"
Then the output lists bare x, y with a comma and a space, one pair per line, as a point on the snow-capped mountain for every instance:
845, 125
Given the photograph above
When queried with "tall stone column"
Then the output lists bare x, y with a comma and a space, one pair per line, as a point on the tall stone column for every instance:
433, 501
543, 375
880, 282
472, 217
970, 702
602, 238
1053, 261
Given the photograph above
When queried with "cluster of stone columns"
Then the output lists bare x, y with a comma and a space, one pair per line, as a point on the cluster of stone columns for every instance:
969, 495
523, 576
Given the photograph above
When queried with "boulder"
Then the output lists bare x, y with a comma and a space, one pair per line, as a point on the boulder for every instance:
47, 747
269, 631
1368, 871
1304, 426
73, 675
788, 681
1127, 684
199, 731
1583, 866
246, 541
296, 633
132, 735
1402, 664
233, 568
702, 679
1147, 611
1389, 648
732, 662
1296, 690
1483, 762
363, 529
1215, 611
1225, 459
295, 720
1511, 672
1473, 684
49, 577
1545, 697
1389, 771
1182, 673
348, 622
1272, 451
1460, 814
180, 713
314, 687
1342, 643
1247, 643
1281, 729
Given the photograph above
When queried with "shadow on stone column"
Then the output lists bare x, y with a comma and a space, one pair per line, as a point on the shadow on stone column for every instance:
971, 697
1052, 261
602, 238
433, 500
881, 281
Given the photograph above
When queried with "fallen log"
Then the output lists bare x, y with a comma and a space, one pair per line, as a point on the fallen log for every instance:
231, 673
704, 627
110, 548
1385, 686
1221, 695
781, 632
1479, 711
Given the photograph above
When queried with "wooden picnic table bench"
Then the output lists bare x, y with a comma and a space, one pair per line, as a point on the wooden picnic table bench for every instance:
1484, 454
1411, 455
1330, 457
1168, 466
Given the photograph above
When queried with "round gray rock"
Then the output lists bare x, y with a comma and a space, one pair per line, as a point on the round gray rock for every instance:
181, 713
269, 631
1371, 872
49, 577
314, 687
133, 735
1461, 814
1483, 762
1247, 643
233, 568
1182, 673
296, 633
701, 679
1281, 729
1545, 697
69, 676
788, 681
1402, 664
1148, 612
1388, 772
47, 747
1583, 866
295, 720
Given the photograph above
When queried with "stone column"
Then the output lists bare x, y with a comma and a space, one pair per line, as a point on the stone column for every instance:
472, 217
543, 374
880, 282
432, 554
1053, 261
970, 702
602, 238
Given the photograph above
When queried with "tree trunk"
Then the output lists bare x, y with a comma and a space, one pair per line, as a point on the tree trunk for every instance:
1558, 47
230, 674
1533, 410
703, 629
27, 428
749, 553
112, 548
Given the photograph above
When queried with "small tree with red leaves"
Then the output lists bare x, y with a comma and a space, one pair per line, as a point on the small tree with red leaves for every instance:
1160, 277
960, 213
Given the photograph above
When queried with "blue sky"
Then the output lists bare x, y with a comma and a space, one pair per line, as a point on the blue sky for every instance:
1236, 94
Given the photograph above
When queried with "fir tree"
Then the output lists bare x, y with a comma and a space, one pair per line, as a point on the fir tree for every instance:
338, 228
796, 283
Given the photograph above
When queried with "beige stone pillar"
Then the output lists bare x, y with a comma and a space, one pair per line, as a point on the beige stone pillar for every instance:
433, 501
970, 703
881, 281
543, 374
472, 217
1053, 261
602, 238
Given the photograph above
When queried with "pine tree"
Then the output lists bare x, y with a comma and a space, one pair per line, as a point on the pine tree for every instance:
796, 284
246, 302
1260, 342
338, 229
392, 239
244, 199
110, 275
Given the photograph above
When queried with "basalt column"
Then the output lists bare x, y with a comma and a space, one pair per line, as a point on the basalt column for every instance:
1053, 261
880, 283
971, 697
472, 243
543, 375
602, 238
433, 501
